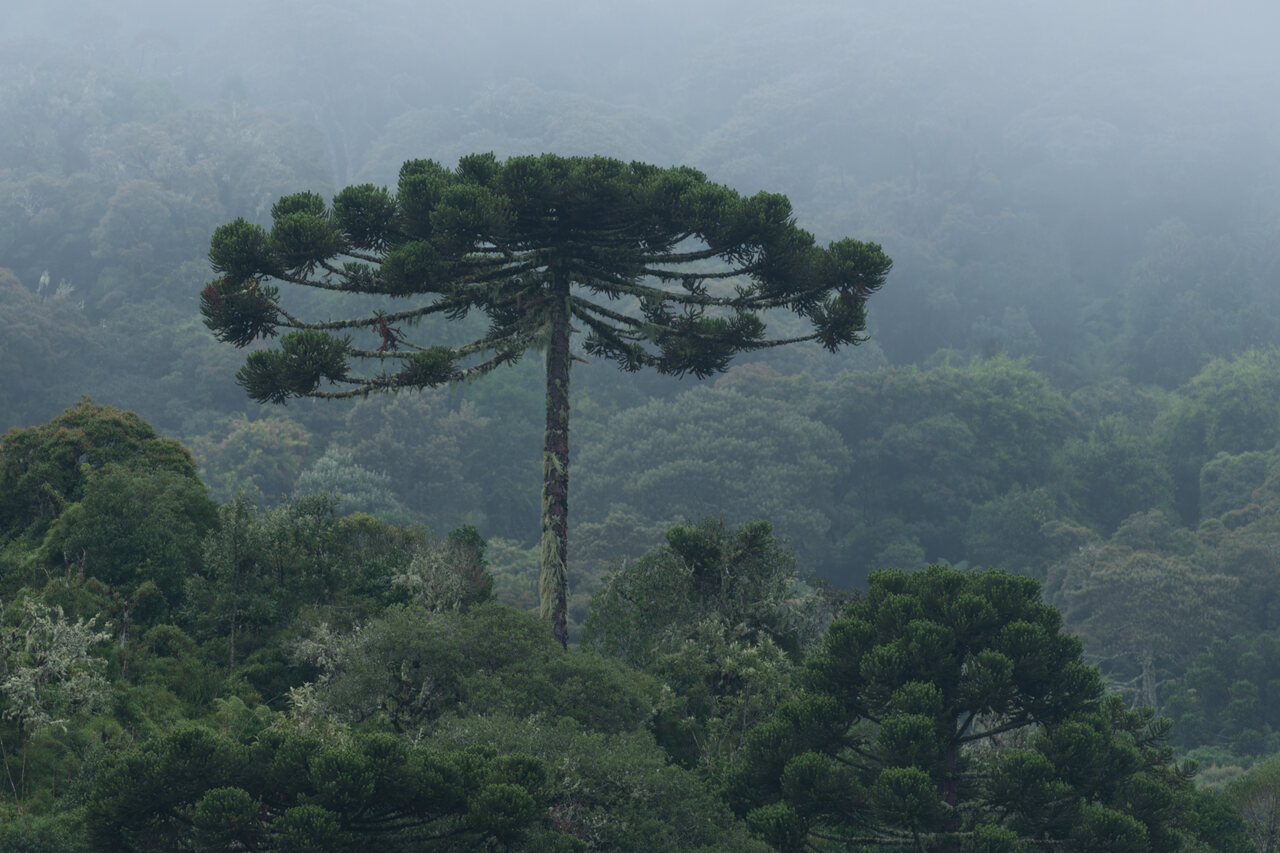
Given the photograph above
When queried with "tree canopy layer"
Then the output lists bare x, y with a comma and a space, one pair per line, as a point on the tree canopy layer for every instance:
658, 267
947, 710
47, 467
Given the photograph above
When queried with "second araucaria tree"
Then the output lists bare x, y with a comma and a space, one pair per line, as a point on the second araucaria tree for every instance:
653, 267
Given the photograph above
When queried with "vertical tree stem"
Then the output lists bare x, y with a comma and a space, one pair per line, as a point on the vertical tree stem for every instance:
554, 583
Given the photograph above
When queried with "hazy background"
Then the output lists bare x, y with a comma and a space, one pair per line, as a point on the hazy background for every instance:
1088, 187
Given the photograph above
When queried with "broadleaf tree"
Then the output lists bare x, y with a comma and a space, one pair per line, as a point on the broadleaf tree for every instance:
655, 267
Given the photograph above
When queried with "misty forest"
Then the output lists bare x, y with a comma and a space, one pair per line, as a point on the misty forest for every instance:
837, 425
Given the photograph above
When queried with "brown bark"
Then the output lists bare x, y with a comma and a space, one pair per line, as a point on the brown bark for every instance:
554, 583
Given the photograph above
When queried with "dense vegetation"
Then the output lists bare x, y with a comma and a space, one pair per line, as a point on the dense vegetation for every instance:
231, 626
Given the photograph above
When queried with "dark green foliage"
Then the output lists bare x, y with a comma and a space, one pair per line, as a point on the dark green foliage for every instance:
1229, 482
1013, 531
296, 790
240, 251
1230, 696
263, 569
304, 358
26, 833
1238, 402
429, 368
929, 446
44, 469
481, 237
1091, 247
610, 791
943, 703
132, 527
1114, 472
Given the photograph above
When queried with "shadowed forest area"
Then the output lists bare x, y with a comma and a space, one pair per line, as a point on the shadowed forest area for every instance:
1006, 573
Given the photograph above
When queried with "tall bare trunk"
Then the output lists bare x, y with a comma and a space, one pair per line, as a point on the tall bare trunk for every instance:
554, 584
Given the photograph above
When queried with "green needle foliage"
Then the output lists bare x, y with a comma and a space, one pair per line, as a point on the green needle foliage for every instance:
657, 268
947, 711
297, 791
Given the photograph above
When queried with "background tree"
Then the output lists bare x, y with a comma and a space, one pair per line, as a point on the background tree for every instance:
742, 580
1257, 796
661, 269
45, 468
713, 452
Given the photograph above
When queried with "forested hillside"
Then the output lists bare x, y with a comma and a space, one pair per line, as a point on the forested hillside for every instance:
240, 626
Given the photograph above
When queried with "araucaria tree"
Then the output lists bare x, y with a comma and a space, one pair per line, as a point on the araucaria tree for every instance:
656, 267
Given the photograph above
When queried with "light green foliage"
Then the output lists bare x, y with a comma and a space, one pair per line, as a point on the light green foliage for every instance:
1143, 603
742, 579
408, 667
611, 791
724, 685
447, 574
1257, 796
51, 676
719, 615
298, 560
48, 671
357, 488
